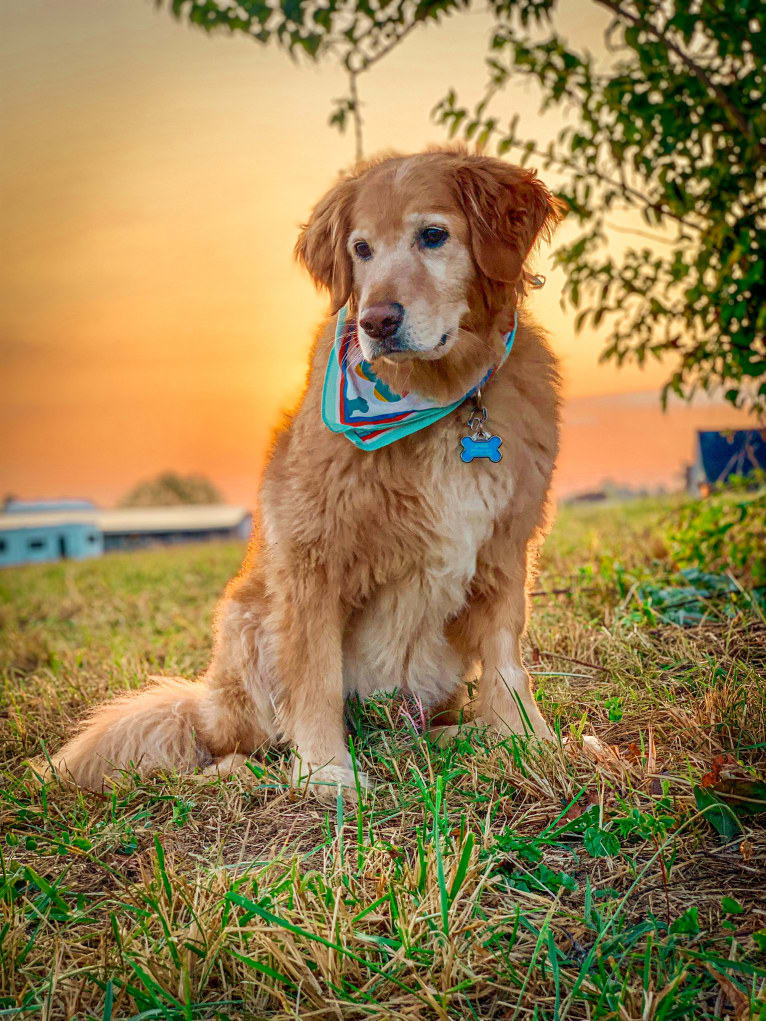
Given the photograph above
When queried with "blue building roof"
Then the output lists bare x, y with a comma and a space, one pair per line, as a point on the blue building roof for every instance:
39, 506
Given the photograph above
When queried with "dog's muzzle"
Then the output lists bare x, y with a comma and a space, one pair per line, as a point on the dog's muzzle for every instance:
382, 323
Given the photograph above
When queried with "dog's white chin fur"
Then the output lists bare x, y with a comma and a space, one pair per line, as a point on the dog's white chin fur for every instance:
426, 353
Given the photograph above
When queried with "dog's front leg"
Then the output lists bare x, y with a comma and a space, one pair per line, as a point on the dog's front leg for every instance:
490, 628
505, 699
309, 637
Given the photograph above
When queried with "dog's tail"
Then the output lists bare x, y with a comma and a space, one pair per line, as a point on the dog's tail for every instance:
152, 729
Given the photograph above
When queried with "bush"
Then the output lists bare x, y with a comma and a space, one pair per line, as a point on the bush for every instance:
169, 489
726, 532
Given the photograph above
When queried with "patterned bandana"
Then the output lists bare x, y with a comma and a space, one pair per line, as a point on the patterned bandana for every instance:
355, 402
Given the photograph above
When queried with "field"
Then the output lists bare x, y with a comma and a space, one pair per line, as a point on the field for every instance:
483, 880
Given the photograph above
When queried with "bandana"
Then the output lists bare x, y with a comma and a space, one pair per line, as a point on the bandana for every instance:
359, 405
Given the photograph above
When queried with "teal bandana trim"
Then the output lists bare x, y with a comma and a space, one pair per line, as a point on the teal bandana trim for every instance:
359, 405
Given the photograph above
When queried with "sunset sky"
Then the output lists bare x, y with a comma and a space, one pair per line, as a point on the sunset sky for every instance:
152, 182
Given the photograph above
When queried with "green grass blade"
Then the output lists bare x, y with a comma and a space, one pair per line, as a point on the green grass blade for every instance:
108, 1001
267, 916
462, 867
264, 969
443, 896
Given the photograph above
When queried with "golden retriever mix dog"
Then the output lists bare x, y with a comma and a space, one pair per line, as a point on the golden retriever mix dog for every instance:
382, 560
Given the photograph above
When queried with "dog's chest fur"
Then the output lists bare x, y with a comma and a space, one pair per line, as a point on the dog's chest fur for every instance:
378, 518
400, 530
399, 639
465, 501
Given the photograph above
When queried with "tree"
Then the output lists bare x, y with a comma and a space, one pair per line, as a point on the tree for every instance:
169, 489
673, 126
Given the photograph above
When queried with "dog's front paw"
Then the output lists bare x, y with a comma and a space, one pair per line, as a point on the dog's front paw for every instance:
443, 736
508, 721
324, 782
229, 765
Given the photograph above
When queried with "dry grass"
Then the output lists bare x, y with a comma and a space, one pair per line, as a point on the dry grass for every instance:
483, 880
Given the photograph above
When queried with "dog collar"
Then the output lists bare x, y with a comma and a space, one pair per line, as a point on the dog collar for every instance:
359, 405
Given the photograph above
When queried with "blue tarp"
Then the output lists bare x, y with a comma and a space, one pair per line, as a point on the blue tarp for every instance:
722, 454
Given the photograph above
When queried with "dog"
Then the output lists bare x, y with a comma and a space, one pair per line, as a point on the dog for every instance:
382, 562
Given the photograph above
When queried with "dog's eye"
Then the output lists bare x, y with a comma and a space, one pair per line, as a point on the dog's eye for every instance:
363, 250
433, 237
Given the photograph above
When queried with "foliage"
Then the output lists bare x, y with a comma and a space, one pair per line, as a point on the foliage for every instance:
709, 564
672, 126
725, 532
169, 489
356, 32
724, 815
690, 596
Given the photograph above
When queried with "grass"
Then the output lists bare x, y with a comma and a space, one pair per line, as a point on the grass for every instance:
484, 880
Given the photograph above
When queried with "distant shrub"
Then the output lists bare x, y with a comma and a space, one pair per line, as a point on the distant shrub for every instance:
169, 489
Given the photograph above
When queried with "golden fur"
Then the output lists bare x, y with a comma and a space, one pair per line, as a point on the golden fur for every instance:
400, 568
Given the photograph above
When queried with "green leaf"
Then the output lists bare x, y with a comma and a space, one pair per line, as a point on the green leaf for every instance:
264, 969
151, 985
600, 843
745, 797
687, 923
160, 851
462, 868
45, 887
731, 906
717, 813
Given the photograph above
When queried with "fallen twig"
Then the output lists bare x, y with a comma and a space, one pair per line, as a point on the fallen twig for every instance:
572, 659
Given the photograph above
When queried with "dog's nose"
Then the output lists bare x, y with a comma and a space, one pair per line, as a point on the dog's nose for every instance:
382, 321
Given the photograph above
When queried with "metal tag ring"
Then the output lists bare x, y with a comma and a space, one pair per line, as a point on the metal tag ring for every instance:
477, 418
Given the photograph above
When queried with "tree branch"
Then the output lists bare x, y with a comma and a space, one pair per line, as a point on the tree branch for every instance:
365, 63
357, 115
736, 116
368, 62
622, 186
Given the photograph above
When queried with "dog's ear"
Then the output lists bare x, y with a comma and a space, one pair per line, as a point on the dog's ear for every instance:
507, 209
321, 245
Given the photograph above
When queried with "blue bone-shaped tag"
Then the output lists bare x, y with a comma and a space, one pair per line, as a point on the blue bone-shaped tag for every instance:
481, 448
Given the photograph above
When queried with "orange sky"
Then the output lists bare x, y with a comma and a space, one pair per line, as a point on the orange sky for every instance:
152, 181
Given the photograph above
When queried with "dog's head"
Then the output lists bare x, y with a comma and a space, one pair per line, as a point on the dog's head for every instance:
428, 248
